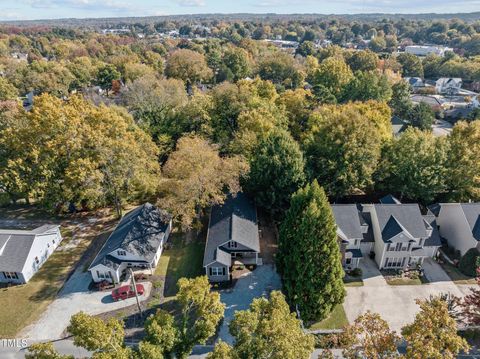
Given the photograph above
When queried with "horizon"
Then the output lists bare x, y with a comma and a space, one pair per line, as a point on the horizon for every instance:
44, 10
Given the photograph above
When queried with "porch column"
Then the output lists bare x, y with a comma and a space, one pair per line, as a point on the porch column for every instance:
256, 257
151, 269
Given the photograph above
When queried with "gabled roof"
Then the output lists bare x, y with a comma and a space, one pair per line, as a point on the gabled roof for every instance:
140, 232
15, 246
234, 220
348, 222
394, 219
434, 240
389, 199
471, 211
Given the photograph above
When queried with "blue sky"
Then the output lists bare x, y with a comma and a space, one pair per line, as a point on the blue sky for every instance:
49, 9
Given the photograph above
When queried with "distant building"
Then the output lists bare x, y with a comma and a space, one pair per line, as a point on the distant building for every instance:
427, 50
415, 82
23, 252
448, 86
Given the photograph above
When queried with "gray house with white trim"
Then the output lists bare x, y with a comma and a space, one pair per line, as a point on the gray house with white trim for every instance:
23, 252
232, 236
137, 242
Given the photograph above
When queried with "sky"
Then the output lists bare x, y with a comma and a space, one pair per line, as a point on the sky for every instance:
54, 9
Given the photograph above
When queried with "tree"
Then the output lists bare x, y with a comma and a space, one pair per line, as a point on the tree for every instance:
343, 145
411, 64
306, 48
188, 66
267, 330
309, 255
276, 171
469, 262
433, 334
298, 104
7, 90
161, 332
196, 177
367, 86
44, 351
363, 61
147, 350
370, 337
463, 165
333, 73
281, 69
422, 116
103, 338
201, 311
237, 61
414, 165
106, 75
400, 103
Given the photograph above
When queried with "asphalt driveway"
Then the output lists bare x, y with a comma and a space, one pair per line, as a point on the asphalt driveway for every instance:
396, 304
256, 284
73, 298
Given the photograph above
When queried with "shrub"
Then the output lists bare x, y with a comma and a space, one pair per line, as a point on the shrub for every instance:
468, 263
357, 272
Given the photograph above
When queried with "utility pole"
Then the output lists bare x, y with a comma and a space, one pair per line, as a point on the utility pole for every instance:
136, 293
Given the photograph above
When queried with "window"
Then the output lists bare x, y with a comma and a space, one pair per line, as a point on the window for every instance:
216, 271
101, 275
398, 248
121, 253
232, 244
348, 261
10, 275
394, 262
53, 241
36, 260
420, 242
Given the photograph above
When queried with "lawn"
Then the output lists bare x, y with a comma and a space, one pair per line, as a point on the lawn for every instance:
353, 282
455, 275
336, 320
22, 305
405, 281
182, 259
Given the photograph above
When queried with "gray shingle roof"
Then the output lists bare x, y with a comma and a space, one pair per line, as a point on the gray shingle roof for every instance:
472, 214
407, 216
140, 232
434, 240
235, 220
389, 199
348, 222
16, 246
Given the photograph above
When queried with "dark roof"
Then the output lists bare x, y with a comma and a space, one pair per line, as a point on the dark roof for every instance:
389, 199
394, 219
234, 220
140, 232
15, 246
348, 222
472, 214
356, 253
368, 236
434, 240
435, 209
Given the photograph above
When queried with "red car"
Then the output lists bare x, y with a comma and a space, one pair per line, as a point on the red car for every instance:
126, 291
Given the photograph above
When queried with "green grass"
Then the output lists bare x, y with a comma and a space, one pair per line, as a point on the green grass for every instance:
353, 282
406, 281
455, 275
336, 320
180, 260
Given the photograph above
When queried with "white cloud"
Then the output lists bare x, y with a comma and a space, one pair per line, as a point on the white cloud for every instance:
191, 3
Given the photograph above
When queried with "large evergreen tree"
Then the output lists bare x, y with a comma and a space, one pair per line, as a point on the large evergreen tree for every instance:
276, 171
309, 256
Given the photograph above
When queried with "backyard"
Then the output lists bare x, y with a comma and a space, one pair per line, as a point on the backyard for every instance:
31, 299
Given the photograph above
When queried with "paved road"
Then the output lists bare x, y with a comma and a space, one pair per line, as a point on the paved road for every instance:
73, 298
256, 284
396, 304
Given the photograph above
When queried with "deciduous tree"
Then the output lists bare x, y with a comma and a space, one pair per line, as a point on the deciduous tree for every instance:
189, 66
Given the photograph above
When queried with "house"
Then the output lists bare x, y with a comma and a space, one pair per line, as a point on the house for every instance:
459, 224
427, 50
403, 236
232, 236
137, 242
448, 86
415, 82
23, 252
351, 229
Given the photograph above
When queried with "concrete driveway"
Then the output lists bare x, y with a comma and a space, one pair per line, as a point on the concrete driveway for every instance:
256, 284
434, 272
73, 298
396, 304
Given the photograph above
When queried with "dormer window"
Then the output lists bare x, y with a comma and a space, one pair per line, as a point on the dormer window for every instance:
232, 244
121, 253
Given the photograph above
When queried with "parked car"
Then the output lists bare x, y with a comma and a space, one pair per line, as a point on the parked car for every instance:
126, 291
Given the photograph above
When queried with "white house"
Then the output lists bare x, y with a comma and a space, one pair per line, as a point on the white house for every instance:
459, 224
23, 252
427, 50
137, 242
448, 86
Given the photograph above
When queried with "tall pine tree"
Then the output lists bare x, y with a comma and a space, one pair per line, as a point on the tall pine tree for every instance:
309, 255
